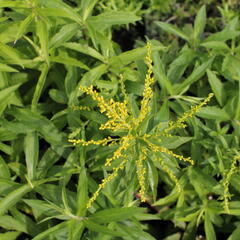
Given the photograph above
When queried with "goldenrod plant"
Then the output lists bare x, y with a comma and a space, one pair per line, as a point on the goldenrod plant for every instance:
145, 165
147, 145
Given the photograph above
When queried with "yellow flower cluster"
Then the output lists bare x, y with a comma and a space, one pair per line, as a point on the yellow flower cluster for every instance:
147, 92
124, 144
226, 182
102, 142
121, 120
117, 112
180, 121
141, 171
171, 153
167, 170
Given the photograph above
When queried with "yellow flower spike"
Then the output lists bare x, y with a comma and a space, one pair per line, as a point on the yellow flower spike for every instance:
180, 157
105, 181
102, 142
147, 92
124, 144
155, 148
141, 171
170, 174
194, 109
83, 108
117, 112
226, 182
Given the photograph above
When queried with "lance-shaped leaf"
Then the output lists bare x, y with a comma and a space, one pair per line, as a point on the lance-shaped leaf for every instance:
173, 30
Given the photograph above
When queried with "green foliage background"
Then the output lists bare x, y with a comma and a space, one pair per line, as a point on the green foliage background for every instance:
50, 48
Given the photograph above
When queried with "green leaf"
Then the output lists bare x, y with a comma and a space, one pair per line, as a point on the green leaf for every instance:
75, 230
174, 141
160, 73
42, 33
12, 198
54, 194
134, 87
179, 65
31, 148
170, 143
4, 171
58, 96
85, 49
91, 76
5, 93
106, 84
132, 55
213, 113
23, 26
9, 235
36, 122
172, 29
163, 113
87, 7
3, 19
6, 68
10, 53
6, 96
63, 35
110, 18
134, 232
190, 231
94, 116
10, 223
230, 66
115, 214
202, 182
5, 148
39, 87
7, 186
187, 214
208, 227
41, 208
51, 230
223, 36
174, 236
235, 234
100, 228
216, 45
65, 199
69, 61
170, 198
216, 86
153, 178
59, 9
146, 217
197, 73
199, 23
82, 193
13, 4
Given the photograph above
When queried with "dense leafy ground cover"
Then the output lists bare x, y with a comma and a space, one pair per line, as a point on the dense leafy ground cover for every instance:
98, 139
